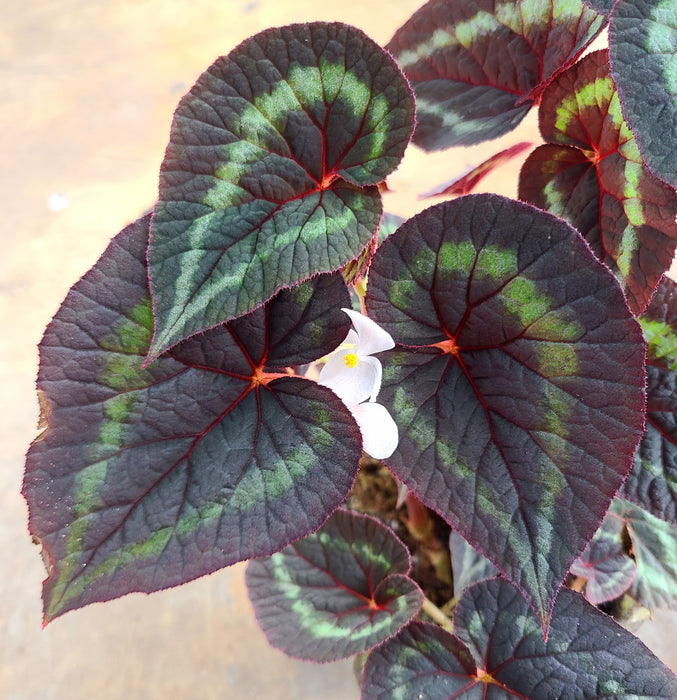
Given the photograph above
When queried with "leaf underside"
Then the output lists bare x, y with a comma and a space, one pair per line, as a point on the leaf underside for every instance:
643, 49
148, 477
336, 593
271, 171
591, 174
477, 66
498, 652
517, 383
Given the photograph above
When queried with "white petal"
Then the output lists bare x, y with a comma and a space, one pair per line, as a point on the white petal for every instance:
378, 372
353, 385
379, 432
372, 338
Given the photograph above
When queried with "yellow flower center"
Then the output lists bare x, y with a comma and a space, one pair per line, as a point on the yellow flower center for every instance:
350, 360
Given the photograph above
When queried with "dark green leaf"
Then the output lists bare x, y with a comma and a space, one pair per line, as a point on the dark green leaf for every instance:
477, 66
149, 477
643, 48
592, 174
337, 592
498, 653
517, 384
271, 171
654, 545
652, 483
467, 564
605, 564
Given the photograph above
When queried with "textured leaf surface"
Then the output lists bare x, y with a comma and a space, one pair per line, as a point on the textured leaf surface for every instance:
149, 477
601, 6
517, 384
643, 47
468, 182
605, 564
654, 545
271, 171
338, 592
498, 653
592, 174
467, 564
652, 483
477, 66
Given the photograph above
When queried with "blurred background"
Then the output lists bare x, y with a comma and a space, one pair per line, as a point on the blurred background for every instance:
88, 91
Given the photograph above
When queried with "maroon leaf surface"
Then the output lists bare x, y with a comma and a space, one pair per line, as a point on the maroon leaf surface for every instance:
147, 477
592, 174
605, 564
498, 653
652, 483
338, 592
643, 45
517, 383
271, 172
477, 66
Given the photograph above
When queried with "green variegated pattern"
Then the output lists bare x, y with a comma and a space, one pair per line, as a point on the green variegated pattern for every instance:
654, 544
477, 66
271, 171
468, 566
652, 483
643, 48
498, 652
517, 382
338, 592
148, 477
605, 564
591, 173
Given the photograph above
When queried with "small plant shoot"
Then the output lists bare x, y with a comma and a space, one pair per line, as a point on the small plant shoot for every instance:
441, 443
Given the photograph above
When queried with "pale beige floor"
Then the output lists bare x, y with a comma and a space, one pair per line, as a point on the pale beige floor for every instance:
88, 89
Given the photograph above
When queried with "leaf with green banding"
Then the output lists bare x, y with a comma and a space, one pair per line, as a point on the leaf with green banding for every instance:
652, 483
605, 564
336, 593
601, 6
497, 652
469, 181
271, 171
654, 545
517, 383
591, 173
467, 564
477, 66
643, 50
147, 477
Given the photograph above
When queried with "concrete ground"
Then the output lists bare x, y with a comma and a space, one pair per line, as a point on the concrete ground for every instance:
88, 90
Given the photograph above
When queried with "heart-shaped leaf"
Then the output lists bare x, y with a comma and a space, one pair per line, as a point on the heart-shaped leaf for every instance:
271, 171
643, 48
149, 477
337, 592
517, 384
477, 66
467, 564
592, 175
654, 544
652, 483
605, 565
467, 183
497, 652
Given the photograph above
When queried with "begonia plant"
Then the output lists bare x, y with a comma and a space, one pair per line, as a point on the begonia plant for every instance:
446, 446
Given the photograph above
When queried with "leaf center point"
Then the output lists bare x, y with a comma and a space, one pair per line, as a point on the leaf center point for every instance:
448, 346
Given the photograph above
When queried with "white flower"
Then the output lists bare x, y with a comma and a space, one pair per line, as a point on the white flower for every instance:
355, 376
